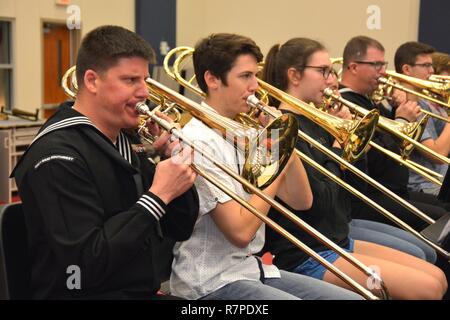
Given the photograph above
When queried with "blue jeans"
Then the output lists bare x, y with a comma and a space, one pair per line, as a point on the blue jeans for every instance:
392, 237
312, 268
290, 286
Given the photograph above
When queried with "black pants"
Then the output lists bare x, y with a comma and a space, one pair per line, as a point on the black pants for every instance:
428, 199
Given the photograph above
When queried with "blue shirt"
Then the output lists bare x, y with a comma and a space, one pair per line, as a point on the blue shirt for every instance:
432, 130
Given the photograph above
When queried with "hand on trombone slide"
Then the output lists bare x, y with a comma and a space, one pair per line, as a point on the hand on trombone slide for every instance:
165, 143
174, 175
264, 118
408, 110
337, 109
341, 111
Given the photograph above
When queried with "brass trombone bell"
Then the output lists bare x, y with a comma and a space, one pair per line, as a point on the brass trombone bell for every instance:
411, 129
432, 89
392, 127
69, 83
296, 220
352, 135
436, 92
266, 151
350, 188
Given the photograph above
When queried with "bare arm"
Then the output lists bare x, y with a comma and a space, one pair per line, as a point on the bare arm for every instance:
441, 145
295, 189
237, 223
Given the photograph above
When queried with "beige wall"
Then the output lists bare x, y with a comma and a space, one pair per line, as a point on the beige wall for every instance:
269, 22
266, 21
27, 17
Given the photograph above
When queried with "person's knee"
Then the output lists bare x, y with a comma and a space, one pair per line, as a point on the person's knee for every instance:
443, 280
430, 288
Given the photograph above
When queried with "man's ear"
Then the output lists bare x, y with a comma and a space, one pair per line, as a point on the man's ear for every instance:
212, 82
352, 67
406, 69
91, 80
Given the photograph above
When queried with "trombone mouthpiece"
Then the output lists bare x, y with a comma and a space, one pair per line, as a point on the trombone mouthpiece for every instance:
253, 101
142, 107
382, 80
328, 92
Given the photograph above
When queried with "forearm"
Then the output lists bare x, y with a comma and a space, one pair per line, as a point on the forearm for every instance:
441, 145
324, 189
295, 189
239, 224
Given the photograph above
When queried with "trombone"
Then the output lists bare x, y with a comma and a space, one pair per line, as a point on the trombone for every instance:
385, 88
412, 130
389, 125
268, 88
161, 95
352, 135
442, 88
430, 89
439, 78
260, 167
393, 127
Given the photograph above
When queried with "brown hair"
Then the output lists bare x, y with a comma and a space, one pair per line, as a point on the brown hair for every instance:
294, 53
217, 54
408, 52
441, 62
356, 49
104, 46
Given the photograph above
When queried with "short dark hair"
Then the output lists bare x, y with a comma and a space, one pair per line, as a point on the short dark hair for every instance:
102, 47
217, 54
356, 48
408, 52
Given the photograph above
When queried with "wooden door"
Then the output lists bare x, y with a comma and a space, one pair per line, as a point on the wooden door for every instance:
56, 61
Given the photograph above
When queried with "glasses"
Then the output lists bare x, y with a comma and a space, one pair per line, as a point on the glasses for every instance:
378, 65
427, 65
325, 71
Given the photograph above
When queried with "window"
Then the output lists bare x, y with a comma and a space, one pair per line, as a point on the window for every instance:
6, 68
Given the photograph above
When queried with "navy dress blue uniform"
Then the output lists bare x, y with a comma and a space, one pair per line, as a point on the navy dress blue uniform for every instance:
87, 204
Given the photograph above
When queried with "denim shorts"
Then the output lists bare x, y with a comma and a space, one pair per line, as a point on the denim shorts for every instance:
313, 268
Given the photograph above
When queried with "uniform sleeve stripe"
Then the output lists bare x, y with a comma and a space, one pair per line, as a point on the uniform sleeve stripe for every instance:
158, 206
151, 205
153, 213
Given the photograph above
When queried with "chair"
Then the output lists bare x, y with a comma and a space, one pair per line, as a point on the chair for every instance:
14, 261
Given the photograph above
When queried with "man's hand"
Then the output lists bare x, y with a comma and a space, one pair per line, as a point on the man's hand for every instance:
164, 141
408, 110
174, 176
398, 97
